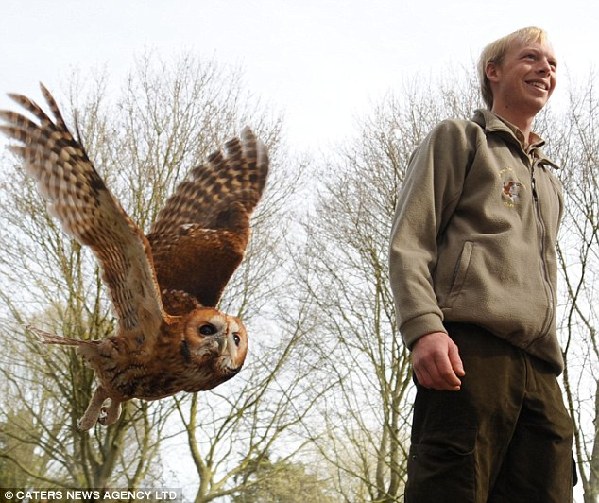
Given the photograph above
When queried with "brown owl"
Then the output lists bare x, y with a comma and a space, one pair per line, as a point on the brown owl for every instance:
163, 286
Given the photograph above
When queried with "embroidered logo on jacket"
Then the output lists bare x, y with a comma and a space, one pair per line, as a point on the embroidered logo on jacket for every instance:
512, 188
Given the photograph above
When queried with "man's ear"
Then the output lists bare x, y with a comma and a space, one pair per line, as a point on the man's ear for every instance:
492, 71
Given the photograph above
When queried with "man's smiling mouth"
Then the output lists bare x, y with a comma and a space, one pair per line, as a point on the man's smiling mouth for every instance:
539, 84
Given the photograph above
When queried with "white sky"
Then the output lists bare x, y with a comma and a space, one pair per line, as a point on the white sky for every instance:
321, 62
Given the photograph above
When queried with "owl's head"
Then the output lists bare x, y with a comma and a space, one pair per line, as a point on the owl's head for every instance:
211, 335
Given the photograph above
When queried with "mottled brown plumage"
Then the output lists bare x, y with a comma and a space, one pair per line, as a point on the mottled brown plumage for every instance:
164, 287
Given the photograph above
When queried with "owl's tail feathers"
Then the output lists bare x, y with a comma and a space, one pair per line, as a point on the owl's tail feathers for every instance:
48, 338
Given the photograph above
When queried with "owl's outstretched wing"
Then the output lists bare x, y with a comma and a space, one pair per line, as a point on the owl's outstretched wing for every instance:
78, 197
200, 236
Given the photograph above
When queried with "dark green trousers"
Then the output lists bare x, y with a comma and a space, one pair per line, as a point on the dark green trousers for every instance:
505, 437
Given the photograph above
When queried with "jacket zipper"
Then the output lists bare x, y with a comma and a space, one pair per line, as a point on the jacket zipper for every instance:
545, 274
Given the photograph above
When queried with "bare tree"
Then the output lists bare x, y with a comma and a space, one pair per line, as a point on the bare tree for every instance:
342, 270
574, 145
281, 481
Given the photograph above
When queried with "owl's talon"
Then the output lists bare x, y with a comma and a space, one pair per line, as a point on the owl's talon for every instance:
109, 415
102, 416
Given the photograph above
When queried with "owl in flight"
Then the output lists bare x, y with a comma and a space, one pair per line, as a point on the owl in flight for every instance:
163, 286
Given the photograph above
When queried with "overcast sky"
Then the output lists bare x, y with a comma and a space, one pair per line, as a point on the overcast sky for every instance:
321, 62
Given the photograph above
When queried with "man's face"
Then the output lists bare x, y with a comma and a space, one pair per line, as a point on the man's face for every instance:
525, 79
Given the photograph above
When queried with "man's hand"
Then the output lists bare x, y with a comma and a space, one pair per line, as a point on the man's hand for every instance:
437, 363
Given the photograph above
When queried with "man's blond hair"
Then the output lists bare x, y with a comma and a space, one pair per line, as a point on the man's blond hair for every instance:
495, 52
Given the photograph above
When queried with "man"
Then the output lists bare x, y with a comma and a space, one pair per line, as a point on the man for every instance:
473, 272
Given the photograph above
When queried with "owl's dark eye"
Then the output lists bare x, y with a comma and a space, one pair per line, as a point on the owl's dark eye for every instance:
236, 339
207, 329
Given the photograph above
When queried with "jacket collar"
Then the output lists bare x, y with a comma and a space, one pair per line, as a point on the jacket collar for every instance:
492, 123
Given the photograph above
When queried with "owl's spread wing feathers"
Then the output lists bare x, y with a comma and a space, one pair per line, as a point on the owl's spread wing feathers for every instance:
200, 236
78, 197
235, 174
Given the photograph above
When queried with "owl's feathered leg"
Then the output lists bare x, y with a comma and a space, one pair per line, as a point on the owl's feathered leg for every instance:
95, 412
92, 413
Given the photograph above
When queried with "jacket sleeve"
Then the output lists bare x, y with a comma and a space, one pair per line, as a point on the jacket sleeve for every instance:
428, 197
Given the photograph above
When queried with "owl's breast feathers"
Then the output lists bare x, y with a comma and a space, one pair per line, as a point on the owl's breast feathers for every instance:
150, 368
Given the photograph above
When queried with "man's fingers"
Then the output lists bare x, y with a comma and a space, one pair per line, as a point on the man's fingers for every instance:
446, 376
424, 378
438, 374
456, 361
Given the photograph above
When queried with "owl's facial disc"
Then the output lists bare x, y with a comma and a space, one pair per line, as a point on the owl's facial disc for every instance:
238, 343
212, 334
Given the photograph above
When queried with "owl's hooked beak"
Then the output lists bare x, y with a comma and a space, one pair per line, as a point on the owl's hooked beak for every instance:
223, 343
220, 344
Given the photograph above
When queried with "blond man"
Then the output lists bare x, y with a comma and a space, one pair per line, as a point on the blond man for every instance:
473, 271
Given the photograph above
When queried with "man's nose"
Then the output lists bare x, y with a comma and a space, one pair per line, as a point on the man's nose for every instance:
544, 66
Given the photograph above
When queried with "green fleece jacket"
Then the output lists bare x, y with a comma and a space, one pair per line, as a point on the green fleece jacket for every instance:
474, 236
